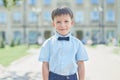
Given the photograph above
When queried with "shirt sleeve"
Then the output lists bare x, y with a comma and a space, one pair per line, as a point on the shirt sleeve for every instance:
44, 52
81, 53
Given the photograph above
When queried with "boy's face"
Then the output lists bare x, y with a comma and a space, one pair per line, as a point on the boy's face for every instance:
63, 24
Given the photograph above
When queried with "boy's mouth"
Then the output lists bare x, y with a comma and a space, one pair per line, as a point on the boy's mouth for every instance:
62, 29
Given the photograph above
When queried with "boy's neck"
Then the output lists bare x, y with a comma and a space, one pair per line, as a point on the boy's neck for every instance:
63, 35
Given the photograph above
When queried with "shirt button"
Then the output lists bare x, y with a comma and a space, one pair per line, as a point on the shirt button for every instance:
67, 77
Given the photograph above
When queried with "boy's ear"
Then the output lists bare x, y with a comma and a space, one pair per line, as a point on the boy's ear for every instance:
72, 23
53, 24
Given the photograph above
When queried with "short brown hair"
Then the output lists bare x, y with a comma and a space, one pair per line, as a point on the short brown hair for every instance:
60, 11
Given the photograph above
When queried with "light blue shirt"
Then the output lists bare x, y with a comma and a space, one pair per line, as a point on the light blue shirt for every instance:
63, 55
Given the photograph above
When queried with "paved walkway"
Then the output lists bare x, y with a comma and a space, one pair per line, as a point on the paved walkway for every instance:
27, 68
102, 65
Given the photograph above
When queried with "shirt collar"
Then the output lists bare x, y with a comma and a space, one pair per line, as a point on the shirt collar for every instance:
59, 35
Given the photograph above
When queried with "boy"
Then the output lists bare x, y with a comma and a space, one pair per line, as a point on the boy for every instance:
63, 55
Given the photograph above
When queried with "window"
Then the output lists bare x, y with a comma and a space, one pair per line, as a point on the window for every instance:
110, 1
3, 17
79, 17
17, 36
1, 2
18, 3
32, 17
32, 37
46, 2
47, 16
95, 36
94, 1
95, 16
110, 16
2, 35
32, 2
79, 1
17, 16
110, 34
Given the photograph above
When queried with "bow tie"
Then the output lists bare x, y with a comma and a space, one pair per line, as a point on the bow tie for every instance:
63, 38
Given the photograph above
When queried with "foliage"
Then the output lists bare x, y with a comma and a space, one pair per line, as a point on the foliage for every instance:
18, 42
12, 44
2, 45
5, 2
9, 3
119, 41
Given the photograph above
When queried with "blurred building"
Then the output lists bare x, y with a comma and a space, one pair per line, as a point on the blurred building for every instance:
30, 20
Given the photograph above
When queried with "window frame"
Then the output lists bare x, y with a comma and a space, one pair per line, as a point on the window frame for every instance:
94, 1
3, 18
16, 14
79, 1
79, 17
95, 16
32, 17
110, 16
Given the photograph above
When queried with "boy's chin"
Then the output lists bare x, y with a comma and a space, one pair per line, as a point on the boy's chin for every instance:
63, 34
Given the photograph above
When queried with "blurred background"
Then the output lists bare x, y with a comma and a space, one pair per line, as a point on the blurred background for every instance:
28, 21
26, 24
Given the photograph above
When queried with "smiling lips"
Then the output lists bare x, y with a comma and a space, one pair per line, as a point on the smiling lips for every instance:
62, 29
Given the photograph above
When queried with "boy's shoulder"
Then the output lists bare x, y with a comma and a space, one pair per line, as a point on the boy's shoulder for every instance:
75, 39
49, 39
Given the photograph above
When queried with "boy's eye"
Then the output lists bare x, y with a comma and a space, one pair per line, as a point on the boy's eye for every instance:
66, 21
58, 21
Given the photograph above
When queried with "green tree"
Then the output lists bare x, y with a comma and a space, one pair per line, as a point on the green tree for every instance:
9, 3
2, 45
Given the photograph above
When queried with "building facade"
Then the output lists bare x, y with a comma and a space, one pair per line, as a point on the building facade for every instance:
30, 20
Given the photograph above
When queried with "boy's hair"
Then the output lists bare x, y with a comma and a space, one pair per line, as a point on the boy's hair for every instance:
61, 11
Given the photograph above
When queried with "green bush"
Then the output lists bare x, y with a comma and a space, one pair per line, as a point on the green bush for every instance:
119, 42
2, 45
18, 42
12, 44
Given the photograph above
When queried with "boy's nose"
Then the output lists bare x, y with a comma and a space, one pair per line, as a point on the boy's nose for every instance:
62, 24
